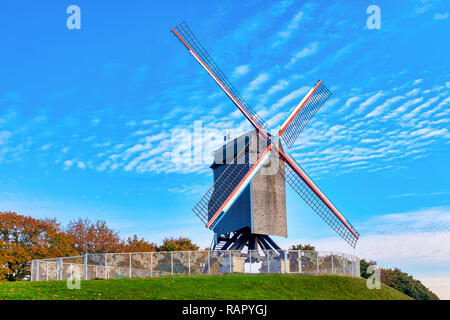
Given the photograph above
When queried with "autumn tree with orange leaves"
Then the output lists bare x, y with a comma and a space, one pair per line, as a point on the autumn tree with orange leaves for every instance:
134, 244
93, 237
23, 239
178, 244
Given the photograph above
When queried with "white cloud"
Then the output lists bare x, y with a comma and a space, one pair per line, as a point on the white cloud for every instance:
277, 119
288, 98
329, 104
403, 195
256, 83
425, 105
370, 140
417, 81
68, 164
142, 132
423, 248
425, 220
440, 16
439, 285
349, 102
444, 102
413, 92
290, 29
46, 147
403, 107
280, 85
81, 165
4, 136
369, 101
292, 26
343, 51
241, 71
189, 189
236, 114
381, 108
305, 52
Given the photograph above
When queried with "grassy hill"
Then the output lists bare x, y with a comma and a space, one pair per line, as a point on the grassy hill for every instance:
241, 287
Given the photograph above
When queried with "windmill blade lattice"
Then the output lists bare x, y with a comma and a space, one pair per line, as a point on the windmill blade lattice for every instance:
187, 37
303, 113
323, 207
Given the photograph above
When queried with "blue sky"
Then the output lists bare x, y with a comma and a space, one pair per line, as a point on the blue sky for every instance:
88, 117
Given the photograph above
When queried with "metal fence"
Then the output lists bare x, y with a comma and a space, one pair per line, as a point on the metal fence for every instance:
155, 264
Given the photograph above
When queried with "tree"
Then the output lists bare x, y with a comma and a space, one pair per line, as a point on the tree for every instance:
134, 244
400, 281
364, 265
405, 283
93, 237
23, 239
302, 247
180, 244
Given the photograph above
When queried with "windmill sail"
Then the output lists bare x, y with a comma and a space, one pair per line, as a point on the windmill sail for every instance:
314, 197
237, 175
303, 113
188, 39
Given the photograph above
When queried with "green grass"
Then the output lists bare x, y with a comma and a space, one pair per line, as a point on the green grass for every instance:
241, 287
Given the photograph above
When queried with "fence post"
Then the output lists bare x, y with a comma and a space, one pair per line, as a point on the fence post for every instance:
317, 262
268, 262
37, 270
32, 269
231, 266
189, 261
250, 251
285, 261
151, 264
46, 270
332, 269
60, 270
85, 266
343, 264
300, 262
352, 268
106, 266
129, 265
209, 262
171, 262
358, 267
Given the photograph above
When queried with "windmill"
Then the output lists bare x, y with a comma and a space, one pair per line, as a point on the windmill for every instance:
228, 206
